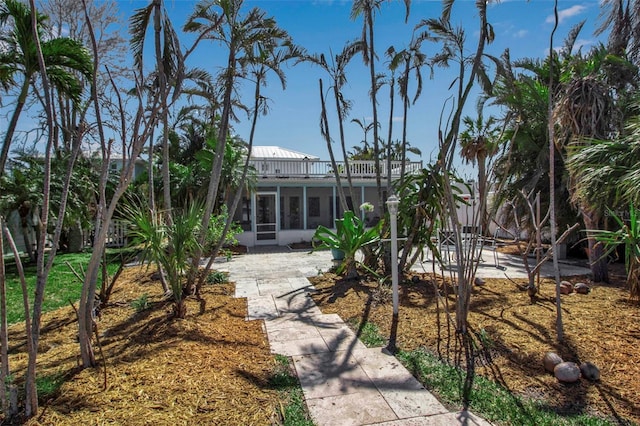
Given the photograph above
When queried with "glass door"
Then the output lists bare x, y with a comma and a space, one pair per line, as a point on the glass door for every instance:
266, 214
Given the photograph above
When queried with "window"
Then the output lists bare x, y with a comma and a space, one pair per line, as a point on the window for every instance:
314, 206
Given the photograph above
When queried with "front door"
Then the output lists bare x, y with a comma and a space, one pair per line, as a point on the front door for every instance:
266, 218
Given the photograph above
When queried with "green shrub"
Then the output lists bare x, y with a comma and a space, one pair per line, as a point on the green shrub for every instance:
141, 303
217, 277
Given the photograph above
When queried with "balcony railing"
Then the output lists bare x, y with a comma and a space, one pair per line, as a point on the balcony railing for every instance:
293, 168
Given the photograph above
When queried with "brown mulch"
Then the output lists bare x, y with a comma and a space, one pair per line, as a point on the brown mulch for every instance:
602, 327
209, 368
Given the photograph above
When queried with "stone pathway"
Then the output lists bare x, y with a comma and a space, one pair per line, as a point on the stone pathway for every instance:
344, 383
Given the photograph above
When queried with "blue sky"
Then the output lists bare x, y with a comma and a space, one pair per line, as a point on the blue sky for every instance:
324, 26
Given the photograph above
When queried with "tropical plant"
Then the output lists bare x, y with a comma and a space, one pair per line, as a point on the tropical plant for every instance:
628, 236
170, 245
62, 56
350, 236
479, 143
246, 38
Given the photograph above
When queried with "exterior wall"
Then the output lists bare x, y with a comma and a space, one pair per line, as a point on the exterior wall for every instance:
303, 205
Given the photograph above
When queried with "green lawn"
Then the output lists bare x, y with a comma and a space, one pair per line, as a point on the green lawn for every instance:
62, 284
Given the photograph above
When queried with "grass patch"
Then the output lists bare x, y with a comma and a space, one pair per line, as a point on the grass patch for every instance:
62, 284
48, 386
293, 410
489, 400
370, 334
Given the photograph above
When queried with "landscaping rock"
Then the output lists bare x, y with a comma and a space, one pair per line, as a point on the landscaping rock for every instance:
582, 288
479, 281
550, 360
590, 371
567, 372
566, 287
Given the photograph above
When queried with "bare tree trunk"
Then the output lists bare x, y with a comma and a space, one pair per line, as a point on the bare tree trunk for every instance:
552, 183
9, 390
345, 157
597, 259
324, 126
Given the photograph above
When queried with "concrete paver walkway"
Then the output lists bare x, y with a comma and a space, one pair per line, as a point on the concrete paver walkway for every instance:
344, 383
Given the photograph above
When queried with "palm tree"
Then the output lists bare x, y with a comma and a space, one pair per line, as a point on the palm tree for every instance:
168, 72
244, 37
367, 9
62, 57
410, 59
478, 142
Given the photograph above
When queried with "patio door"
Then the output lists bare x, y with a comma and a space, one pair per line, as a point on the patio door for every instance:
266, 218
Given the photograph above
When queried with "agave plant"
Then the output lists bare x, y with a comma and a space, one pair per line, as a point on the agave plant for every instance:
349, 237
628, 235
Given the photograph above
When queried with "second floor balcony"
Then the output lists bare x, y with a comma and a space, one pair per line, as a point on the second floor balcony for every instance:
307, 168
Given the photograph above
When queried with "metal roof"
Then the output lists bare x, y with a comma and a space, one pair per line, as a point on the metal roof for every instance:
276, 152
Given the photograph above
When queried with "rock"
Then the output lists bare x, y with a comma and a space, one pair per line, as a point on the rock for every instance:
567, 372
590, 371
479, 281
415, 279
582, 288
550, 360
566, 287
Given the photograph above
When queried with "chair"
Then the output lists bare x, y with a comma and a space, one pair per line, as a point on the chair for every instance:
493, 243
446, 244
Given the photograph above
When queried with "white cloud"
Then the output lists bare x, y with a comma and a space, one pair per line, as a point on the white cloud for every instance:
520, 34
566, 13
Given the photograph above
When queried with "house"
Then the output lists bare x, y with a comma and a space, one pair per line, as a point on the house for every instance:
297, 192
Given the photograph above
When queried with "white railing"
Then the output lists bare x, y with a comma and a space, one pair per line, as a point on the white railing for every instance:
284, 168
117, 233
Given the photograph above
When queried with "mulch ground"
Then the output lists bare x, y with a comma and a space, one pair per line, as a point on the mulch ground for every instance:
211, 368
602, 327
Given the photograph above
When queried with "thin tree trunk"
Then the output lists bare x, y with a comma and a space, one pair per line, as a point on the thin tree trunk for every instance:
597, 259
389, 147
345, 156
9, 389
11, 128
324, 124
552, 183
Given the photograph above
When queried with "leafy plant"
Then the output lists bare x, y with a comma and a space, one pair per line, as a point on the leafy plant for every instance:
349, 237
217, 277
170, 245
627, 235
141, 303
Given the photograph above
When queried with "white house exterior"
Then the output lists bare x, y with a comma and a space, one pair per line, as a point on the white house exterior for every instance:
296, 192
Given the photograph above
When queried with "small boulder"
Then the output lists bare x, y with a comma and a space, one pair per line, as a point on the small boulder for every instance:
415, 279
590, 371
479, 281
567, 372
582, 288
550, 360
566, 287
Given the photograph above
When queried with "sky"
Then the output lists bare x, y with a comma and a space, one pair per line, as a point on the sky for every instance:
325, 26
